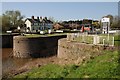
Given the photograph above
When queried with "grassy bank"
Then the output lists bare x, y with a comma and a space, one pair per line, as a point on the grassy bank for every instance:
103, 66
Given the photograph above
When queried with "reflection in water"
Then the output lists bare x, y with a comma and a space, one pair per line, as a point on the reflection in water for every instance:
10, 63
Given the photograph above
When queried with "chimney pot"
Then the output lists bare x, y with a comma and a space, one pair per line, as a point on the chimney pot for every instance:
45, 18
33, 17
38, 18
41, 18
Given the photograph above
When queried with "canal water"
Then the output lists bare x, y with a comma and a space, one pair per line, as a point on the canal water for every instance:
10, 63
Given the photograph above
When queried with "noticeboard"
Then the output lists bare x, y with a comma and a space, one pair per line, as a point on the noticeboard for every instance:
105, 20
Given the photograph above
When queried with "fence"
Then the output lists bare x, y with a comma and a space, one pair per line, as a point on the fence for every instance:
91, 39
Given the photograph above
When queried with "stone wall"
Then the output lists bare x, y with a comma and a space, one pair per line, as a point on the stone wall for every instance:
7, 41
79, 51
25, 47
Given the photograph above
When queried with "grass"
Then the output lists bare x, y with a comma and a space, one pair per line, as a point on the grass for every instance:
104, 66
45, 35
117, 40
89, 39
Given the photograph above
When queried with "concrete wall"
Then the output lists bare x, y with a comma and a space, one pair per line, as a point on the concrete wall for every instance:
79, 51
25, 47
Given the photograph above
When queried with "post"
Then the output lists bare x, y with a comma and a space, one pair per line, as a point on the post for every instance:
108, 37
68, 36
96, 39
113, 42
103, 41
86, 37
83, 38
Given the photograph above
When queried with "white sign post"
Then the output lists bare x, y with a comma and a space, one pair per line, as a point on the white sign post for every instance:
105, 25
105, 20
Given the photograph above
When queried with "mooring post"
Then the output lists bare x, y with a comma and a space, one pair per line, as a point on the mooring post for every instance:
83, 37
103, 41
113, 42
108, 37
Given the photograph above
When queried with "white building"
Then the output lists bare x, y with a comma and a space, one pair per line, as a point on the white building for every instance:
38, 24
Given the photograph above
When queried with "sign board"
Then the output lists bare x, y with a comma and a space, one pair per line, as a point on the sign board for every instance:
105, 20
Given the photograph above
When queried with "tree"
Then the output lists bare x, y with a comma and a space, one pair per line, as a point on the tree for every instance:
52, 19
5, 23
12, 19
116, 23
96, 24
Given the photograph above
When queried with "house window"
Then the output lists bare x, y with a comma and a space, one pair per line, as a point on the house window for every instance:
28, 28
33, 28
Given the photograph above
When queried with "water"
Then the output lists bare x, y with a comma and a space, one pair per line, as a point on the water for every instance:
10, 63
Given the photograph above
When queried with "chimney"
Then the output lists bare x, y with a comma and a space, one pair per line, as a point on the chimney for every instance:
38, 18
33, 17
45, 18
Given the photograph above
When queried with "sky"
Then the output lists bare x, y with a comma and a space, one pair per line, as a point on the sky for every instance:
64, 10
60, 0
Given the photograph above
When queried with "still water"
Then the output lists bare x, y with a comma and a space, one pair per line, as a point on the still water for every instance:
10, 63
